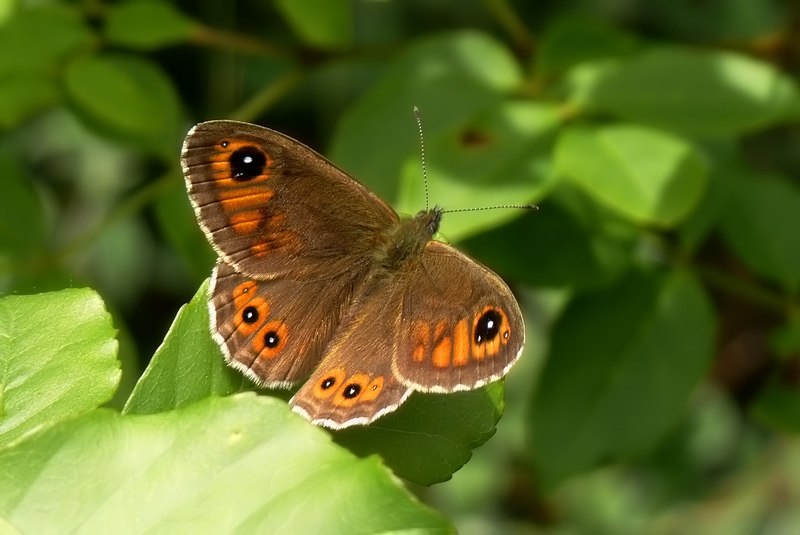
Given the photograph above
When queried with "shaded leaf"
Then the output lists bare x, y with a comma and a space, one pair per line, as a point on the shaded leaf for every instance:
47, 35
569, 242
147, 25
57, 359
760, 222
432, 435
21, 218
572, 40
128, 97
622, 366
242, 463
321, 23
22, 96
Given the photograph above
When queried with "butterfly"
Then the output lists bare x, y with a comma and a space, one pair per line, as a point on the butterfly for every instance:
320, 282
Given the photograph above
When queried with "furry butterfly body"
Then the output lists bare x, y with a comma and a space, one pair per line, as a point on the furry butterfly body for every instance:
321, 282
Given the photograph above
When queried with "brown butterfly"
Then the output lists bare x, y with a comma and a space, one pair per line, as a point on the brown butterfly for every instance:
319, 280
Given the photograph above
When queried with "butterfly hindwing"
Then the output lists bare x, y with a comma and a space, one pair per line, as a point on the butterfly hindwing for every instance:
263, 328
461, 326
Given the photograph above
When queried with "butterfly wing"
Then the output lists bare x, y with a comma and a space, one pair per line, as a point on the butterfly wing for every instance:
273, 207
354, 384
460, 324
274, 331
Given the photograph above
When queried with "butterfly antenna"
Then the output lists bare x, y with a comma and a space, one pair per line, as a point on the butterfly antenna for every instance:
498, 207
418, 117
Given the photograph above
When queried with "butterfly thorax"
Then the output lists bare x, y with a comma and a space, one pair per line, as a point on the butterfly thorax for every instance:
406, 239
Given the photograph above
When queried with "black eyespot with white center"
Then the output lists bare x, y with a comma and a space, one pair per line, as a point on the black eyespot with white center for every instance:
247, 163
271, 339
328, 383
250, 315
352, 390
488, 326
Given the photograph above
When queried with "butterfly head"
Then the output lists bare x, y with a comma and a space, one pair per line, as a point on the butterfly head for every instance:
431, 220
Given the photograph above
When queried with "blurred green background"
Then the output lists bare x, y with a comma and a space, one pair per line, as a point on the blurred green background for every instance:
660, 388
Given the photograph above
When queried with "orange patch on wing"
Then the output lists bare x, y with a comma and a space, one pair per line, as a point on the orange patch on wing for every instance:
246, 222
260, 249
420, 336
478, 350
373, 389
329, 383
243, 293
461, 343
442, 352
493, 346
238, 199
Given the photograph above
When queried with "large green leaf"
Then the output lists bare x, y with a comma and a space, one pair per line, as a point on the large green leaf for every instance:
622, 366
696, 92
57, 359
760, 222
647, 175
451, 78
237, 464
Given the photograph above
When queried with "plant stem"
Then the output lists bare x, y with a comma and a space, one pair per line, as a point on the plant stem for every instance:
511, 22
740, 288
215, 38
267, 96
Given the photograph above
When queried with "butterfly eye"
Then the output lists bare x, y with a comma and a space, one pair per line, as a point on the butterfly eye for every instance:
488, 326
247, 163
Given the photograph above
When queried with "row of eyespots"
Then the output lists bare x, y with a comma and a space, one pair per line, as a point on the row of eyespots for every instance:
346, 391
271, 337
490, 331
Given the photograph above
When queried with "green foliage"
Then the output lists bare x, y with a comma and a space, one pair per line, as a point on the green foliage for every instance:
59, 359
214, 464
659, 276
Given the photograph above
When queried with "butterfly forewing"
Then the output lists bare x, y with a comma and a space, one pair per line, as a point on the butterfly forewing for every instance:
272, 207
